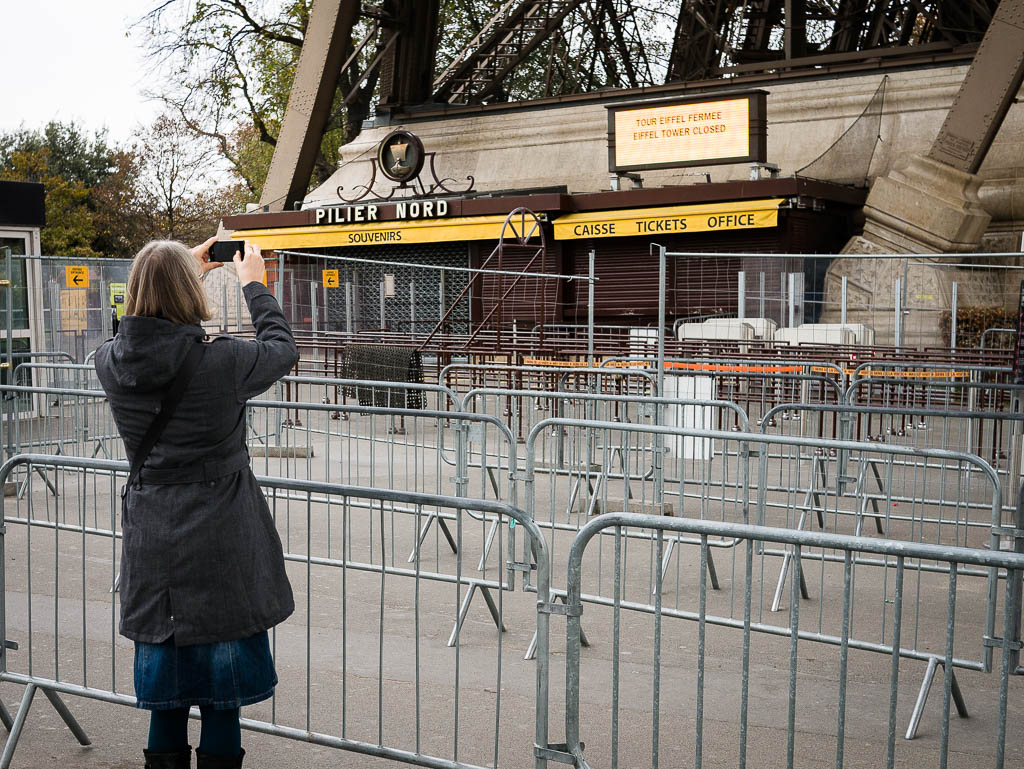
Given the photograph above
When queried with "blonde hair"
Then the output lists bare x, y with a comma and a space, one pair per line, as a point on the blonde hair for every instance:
164, 283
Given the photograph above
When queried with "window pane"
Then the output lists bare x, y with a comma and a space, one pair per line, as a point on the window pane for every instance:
20, 289
21, 403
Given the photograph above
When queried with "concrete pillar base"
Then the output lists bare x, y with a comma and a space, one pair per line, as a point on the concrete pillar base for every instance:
926, 288
925, 207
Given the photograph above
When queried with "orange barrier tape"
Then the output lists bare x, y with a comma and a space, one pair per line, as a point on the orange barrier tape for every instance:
735, 368
713, 367
926, 374
556, 363
738, 368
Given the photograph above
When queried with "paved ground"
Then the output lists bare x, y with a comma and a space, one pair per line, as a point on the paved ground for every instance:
376, 667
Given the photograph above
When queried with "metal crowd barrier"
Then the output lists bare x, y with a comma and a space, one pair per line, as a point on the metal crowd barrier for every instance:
24, 357
330, 528
72, 375
522, 409
706, 473
981, 417
583, 468
929, 370
415, 450
367, 447
57, 420
467, 376
996, 436
800, 366
359, 619
924, 393
757, 385
693, 687
366, 392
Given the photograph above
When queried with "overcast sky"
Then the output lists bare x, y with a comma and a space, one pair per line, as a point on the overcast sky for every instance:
73, 60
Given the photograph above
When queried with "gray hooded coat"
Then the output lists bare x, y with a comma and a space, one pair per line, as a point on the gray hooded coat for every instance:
201, 558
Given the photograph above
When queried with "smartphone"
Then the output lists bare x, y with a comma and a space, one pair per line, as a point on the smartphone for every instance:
225, 250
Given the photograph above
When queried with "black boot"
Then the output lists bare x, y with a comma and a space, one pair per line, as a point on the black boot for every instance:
178, 759
207, 761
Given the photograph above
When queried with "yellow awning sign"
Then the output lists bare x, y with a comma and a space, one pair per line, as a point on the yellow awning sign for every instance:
708, 217
379, 233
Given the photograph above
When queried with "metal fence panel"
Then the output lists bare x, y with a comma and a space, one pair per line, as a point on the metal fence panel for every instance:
368, 634
685, 702
791, 487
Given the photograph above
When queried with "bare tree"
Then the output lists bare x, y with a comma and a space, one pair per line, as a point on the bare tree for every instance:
225, 69
179, 174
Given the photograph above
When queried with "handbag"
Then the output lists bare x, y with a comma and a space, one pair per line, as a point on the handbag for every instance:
169, 403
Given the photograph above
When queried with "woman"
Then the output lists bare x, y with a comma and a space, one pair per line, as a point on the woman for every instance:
202, 569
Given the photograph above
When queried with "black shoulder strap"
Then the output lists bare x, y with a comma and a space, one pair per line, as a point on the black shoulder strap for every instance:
167, 407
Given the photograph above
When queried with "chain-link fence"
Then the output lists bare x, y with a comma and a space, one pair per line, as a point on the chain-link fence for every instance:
918, 302
61, 307
350, 290
965, 301
79, 297
743, 302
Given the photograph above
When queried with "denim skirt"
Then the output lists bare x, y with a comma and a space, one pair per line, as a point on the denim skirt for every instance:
222, 675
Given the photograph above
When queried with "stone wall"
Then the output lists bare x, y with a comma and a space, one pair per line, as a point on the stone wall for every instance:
567, 144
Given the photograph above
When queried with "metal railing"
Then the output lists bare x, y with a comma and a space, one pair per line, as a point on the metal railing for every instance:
872, 595
750, 682
715, 483
358, 618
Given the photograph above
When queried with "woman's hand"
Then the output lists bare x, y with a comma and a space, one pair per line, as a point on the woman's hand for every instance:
250, 267
201, 253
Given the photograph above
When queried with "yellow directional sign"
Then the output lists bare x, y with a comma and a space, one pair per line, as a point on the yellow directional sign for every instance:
330, 278
76, 276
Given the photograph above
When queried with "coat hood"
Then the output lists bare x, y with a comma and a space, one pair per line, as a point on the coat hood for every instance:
146, 353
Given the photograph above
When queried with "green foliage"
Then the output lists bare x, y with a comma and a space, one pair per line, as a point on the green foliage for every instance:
226, 67
44, 157
103, 200
70, 153
124, 208
460, 20
230, 69
251, 159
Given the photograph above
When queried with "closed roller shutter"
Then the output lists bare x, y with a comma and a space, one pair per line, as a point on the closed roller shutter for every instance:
627, 273
531, 300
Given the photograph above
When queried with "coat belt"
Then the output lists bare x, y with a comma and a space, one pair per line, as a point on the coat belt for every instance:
198, 472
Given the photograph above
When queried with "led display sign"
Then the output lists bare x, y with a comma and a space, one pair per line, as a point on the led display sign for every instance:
692, 132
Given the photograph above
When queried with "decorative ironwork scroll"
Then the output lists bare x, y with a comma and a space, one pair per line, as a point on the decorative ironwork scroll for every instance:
400, 157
